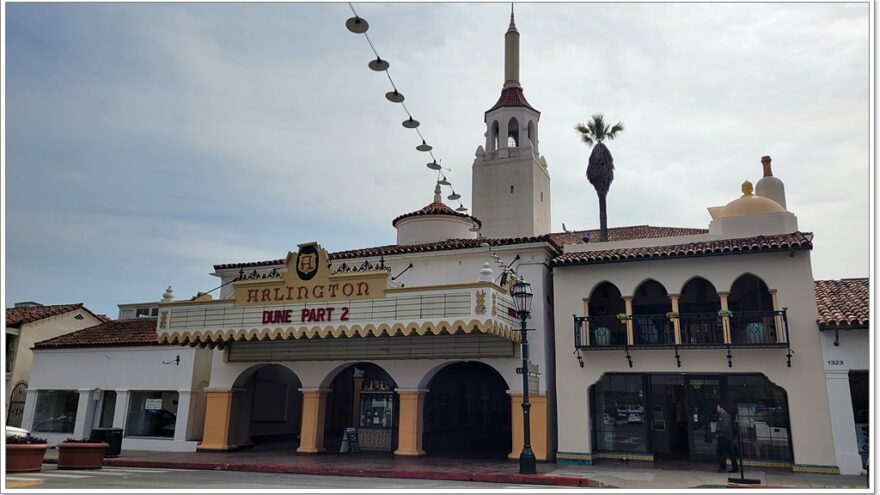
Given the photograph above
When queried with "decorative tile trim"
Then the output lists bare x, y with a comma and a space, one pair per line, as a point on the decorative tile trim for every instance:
624, 456
574, 458
815, 468
765, 463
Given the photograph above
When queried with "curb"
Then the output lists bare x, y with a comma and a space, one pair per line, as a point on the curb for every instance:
526, 479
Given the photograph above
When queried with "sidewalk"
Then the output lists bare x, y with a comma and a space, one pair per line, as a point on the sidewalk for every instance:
609, 474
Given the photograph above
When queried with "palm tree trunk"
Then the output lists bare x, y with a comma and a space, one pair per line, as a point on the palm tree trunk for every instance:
603, 220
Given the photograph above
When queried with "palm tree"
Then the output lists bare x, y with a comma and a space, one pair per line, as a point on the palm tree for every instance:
600, 170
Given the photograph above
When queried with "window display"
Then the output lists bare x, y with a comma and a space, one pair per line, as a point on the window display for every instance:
620, 401
56, 411
152, 414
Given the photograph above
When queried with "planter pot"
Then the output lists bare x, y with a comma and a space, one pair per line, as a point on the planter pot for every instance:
81, 455
25, 458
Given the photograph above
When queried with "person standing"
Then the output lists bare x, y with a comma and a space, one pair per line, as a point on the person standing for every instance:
724, 432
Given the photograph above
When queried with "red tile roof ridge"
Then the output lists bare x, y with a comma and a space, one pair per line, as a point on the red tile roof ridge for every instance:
21, 316
512, 97
773, 242
435, 209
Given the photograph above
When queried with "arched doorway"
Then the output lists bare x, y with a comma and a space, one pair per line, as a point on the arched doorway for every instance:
268, 407
363, 398
605, 304
650, 305
698, 306
16, 405
753, 320
467, 412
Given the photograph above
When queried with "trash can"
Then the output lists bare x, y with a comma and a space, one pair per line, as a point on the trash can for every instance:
113, 437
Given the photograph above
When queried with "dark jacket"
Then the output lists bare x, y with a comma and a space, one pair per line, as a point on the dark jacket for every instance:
724, 427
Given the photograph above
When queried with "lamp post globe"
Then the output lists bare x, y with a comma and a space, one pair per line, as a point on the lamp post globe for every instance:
522, 300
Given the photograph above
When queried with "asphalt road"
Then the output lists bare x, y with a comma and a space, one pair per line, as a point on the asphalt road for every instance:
131, 478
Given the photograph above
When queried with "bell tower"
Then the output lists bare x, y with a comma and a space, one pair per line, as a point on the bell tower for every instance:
511, 184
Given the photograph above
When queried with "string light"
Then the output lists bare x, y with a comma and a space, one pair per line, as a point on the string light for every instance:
358, 25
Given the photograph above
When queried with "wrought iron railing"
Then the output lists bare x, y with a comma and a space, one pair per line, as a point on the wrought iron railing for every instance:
747, 328
701, 328
758, 327
599, 331
653, 329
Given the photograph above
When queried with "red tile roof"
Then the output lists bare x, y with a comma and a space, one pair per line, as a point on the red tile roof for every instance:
556, 240
131, 332
629, 233
512, 97
795, 241
843, 303
435, 209
15, 317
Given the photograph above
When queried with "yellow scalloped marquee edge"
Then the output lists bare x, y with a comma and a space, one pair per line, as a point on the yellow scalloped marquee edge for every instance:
214, 337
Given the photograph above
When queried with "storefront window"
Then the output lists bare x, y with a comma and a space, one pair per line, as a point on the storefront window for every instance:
56, 411
858, 388
760, 410
152, 414
619, 409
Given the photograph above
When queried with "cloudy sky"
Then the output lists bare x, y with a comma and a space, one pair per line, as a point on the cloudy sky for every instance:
146, 142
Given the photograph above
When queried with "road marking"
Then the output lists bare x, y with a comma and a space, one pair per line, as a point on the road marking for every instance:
99, 472
22, 482
60, 475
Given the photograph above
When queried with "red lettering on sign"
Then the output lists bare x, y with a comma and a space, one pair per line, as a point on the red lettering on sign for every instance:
278, 297
333, 288
252, 295
363, 289
306, 262
305, 314
347, 289
302, 292
512, 312
344, 316
314, 314
318, 291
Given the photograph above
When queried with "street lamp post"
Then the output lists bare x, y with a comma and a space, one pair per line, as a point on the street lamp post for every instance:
522, 298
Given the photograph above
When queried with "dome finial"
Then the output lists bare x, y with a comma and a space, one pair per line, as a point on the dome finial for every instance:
512, 23
438, 197
747, 188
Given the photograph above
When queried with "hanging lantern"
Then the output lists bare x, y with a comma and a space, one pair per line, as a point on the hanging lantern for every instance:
424, 146
357, 25
394, 96
411, 123
378, 65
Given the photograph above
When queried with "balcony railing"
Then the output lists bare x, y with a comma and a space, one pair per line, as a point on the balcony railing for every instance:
701, 328
603, 331
758, 327
705, 330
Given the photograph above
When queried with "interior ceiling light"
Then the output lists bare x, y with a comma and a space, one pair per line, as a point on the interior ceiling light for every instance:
394, 96
378, 65
434, 165
357, 25
424, 146
411, 123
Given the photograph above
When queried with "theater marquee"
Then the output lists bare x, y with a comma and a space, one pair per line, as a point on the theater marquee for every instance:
309, 279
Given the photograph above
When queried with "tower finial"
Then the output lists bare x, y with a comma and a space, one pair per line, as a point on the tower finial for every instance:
511, 54
438, 198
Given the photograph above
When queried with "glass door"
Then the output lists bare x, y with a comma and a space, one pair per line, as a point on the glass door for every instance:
701, 396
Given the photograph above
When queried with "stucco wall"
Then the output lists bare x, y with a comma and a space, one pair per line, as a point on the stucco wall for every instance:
804, 382
124, 370
40, 330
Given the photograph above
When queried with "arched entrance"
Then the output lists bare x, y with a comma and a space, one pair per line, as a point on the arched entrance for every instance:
363, 398
16, 405
467, 412
268, 407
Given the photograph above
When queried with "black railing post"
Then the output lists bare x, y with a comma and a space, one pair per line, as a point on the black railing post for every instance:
787, 336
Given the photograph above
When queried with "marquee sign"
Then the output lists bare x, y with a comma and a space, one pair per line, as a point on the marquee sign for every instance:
309, 279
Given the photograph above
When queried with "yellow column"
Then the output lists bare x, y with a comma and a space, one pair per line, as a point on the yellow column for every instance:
409, 432
725, 320
586, 341
676, 322
629, 323
312, 429
219, 419
776, 318
538, 420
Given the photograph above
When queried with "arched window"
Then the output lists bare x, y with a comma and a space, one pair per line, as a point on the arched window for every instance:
532, 137
493, 136
698, 307
604, 306
651, 326
753, 320
513, 133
